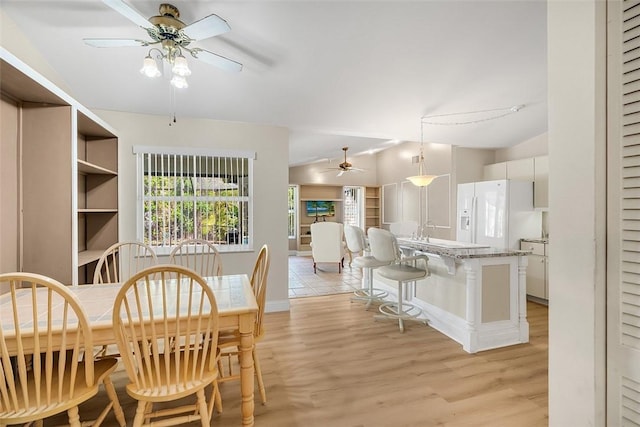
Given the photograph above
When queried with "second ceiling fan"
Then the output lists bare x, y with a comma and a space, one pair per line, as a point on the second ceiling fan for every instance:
345, 166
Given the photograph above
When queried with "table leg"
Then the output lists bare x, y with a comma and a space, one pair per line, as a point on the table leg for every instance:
246, 374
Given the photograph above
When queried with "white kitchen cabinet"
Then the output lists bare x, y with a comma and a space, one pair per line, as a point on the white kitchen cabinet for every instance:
537, 277
521, 169
495, 171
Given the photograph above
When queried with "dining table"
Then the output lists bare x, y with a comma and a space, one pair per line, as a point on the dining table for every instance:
237, 310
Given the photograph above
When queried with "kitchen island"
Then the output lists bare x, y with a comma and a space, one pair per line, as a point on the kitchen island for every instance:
475, 295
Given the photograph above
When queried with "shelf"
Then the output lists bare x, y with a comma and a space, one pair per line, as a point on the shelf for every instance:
87, 257
324, 199
99, 210
89, 168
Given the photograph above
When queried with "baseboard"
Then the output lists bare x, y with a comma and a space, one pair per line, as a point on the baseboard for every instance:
275, 306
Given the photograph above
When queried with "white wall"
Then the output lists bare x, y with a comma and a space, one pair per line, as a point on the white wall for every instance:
576, 98
533, 147
14, 40
270, 182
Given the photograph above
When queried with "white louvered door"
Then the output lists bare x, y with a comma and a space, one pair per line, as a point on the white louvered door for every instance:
623, 211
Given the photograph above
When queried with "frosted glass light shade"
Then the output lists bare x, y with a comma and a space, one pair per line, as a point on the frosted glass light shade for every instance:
421, 180
179, 82
180, 67
149, 67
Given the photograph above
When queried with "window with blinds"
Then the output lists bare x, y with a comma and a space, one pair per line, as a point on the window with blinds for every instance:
352, 206
293, 212
194, 195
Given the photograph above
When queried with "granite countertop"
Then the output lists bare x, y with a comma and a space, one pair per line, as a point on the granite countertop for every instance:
536, 240
458, 253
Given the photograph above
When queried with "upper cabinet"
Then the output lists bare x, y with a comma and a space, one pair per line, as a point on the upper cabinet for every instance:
67, 161
521, 169
495, 171
535, 169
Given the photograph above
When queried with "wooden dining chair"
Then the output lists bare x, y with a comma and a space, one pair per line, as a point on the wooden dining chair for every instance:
122, 260
229, 343
166, 325
199, 255
44, 369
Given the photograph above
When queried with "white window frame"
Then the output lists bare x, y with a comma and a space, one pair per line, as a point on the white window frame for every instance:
165, 249
293, 211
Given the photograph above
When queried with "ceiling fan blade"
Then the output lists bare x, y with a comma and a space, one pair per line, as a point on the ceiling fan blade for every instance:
128, 12
208, 26
114, 42
217, 60
340, 173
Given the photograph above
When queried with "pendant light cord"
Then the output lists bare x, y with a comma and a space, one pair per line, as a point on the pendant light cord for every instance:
498, 113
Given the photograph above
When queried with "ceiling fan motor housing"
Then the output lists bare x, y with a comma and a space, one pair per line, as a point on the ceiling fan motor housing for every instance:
167, 27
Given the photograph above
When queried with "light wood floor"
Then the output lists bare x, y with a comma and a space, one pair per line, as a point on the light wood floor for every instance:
327, 363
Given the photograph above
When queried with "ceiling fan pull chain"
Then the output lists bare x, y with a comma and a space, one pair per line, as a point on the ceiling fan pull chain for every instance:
172, 102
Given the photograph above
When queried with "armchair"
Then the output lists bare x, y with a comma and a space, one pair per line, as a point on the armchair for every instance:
327, 244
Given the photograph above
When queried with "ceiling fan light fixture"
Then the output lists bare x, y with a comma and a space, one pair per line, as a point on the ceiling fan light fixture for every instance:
149, 67
179, 82
181, 67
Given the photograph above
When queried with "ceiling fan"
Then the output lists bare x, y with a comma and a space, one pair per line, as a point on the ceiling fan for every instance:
345, 166
171, 35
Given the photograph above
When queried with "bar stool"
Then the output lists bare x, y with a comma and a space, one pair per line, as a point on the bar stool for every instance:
384, 247
356, 243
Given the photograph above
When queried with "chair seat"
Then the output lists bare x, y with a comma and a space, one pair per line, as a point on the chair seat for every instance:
368, 262
401, 272
102, 368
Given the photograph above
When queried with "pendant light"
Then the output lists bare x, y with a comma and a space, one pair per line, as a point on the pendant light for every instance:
421, 180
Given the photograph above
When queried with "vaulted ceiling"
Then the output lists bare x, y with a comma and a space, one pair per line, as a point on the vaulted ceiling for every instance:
336, 73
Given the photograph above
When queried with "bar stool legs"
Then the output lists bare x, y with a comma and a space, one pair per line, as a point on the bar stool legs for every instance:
400, 310
369, 294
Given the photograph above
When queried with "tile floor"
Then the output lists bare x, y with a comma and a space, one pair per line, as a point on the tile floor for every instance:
304, 283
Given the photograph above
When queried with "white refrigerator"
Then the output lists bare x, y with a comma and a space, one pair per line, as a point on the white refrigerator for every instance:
497, 213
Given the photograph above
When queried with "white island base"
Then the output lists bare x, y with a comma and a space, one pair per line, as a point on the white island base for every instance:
477, 297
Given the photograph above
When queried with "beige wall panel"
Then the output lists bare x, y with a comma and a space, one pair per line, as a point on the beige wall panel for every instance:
9, 199
495, 293
101, 230
101, 191
47, 191
102, 152
468, 164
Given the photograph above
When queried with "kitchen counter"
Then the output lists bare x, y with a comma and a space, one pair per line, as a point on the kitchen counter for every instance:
456, 250
475, 295
544, 240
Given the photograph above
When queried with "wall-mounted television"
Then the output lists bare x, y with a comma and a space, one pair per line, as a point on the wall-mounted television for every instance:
321, 208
